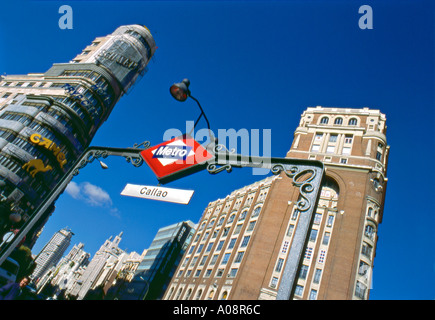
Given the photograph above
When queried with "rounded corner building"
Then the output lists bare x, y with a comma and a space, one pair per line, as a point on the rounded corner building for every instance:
48, 119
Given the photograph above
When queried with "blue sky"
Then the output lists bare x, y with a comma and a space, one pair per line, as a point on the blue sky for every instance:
252, 65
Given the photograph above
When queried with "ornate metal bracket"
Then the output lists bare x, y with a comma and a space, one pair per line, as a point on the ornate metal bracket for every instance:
132, 155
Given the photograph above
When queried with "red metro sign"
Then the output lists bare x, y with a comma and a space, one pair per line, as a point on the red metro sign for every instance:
176, 158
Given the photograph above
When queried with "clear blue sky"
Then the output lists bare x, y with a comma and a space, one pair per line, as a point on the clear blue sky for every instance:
252, 65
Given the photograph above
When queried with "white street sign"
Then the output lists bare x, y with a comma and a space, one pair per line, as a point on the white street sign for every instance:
158, 193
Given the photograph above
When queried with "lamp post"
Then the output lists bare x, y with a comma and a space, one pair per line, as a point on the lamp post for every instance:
180, 91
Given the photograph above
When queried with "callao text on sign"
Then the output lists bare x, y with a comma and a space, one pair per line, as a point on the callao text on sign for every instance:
158, 193
176, 158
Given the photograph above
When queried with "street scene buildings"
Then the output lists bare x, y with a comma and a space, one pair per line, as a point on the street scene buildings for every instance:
239, 248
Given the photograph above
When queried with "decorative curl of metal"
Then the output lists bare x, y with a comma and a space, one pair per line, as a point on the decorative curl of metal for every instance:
143, 145
90, 157
305, 186
136, 161
213, 168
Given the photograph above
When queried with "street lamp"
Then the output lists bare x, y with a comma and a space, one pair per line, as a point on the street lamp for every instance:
180, 91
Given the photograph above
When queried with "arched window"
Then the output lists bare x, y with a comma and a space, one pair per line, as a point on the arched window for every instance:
210, 295
178, 294
202, 226
243, 215
256, 212
324, 120
338, 121
189, 292
231, 218
198, 295
353, 122
224, 295
221, 221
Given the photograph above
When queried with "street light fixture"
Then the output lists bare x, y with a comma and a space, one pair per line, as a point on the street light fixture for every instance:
180, 91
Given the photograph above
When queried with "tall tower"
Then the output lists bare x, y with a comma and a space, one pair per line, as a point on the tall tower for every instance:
241, 246
52, 252
353, 146
48, 119
93, 276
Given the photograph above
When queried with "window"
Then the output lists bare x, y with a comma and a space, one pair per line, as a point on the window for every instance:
204, 258
213, 260
317, 275
369, 232
231, 219
226, 258
279, 265
360, 290
245, 241
313, 294
290, 230
324, 120
198, 295
191, 249
348, 139
378, 156
363, 268
313, 235
353, 122
303, 273
224, 295
209, 246
330, 221
367, 250
295, 214
221, 221
333, 138
326, 238
219, 273
233, 273
239, 256
338, 121
317, 218
219, 247
299, 290
238, 228
232, 243
256, 212
251, 225
274, 282
243, 215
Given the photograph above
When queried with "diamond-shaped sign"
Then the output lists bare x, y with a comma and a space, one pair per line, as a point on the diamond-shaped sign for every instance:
176, 158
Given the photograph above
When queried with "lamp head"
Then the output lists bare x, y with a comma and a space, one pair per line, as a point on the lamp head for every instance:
180, 91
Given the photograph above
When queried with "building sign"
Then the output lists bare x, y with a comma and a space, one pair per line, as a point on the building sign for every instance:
158, 193
37, 139
176, 158
112, 55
